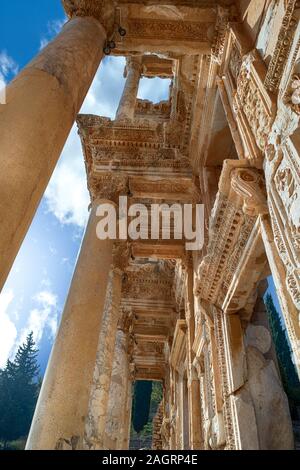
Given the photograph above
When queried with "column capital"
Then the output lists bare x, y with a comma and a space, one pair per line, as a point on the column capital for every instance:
101, 10
133, 63
108, 186
126, 320
121, 255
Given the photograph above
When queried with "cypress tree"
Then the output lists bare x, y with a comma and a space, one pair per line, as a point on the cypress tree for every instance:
287, 368
19, 388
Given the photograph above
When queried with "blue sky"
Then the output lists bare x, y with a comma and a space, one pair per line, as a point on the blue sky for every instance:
35, 292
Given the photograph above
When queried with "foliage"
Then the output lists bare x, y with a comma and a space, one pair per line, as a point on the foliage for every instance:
141, 407
287, 368
19, 388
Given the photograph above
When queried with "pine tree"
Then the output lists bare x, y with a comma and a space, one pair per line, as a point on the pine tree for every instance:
19, 388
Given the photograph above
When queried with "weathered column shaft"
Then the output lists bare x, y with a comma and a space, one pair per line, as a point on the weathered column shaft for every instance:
117, 394
128, 100
125, 436
42, 104
63, 402
98, 405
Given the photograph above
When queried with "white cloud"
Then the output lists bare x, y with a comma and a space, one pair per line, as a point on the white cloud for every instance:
7, 67
53, 28
8, 331
67, 196
45, 315
154, 89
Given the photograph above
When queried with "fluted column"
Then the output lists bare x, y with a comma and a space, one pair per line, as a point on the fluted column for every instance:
117, 405
42, 104
63, 402
128, 100
94, 438
196, 440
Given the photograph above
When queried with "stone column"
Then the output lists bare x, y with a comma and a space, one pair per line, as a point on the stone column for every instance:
117, 405
125, 436
63, 402
128, 100
196, 439
42, 104
94, 437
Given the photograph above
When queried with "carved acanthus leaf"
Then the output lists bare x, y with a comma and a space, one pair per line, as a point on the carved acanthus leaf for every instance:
102, 10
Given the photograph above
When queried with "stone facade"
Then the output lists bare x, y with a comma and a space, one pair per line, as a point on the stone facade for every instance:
228, 137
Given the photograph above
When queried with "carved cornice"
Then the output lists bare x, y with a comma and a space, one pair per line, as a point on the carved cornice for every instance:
101, 10
240, 199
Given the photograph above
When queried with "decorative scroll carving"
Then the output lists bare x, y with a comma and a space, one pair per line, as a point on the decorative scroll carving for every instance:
169, 30
249, 185
251, 100
235, 62
294, 94
283, 46
220, 33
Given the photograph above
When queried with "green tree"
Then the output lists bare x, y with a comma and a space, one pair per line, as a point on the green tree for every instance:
141, 404
287, 368
19, 388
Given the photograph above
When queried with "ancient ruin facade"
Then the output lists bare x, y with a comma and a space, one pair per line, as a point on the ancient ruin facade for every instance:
228, 138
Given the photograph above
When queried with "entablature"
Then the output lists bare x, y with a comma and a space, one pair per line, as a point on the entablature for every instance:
234, 239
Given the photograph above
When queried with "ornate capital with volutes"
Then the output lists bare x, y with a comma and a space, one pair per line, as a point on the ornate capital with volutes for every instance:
249, 184
108, 186
101, 10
